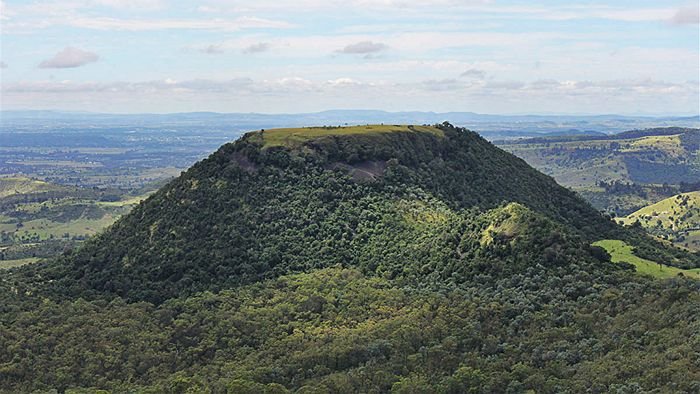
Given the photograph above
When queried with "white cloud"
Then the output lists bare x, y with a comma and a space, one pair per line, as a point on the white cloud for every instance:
69, 57
363, 48
544, 84
406, 44
687, 16
443, 84
212, 49
506, 85
303, 6
295, 84
106, 23
87, 13
438, 48
5, 12
141, 5
343, 82
445, 9
474, 73
298, 94
256, 48
631, 15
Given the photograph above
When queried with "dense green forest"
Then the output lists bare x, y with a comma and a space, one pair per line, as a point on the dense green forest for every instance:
389, 259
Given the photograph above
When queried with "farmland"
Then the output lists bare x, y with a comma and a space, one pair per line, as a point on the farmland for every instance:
617, 173
621, 252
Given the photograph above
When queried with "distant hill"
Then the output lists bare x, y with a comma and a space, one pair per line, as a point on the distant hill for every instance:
618, 173
575, 136
15, 185
653, 156
676, 218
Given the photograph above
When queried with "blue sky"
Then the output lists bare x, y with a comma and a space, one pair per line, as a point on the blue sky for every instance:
627, 57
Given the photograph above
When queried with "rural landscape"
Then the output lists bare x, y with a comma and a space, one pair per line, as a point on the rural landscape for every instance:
352, 197
650, 177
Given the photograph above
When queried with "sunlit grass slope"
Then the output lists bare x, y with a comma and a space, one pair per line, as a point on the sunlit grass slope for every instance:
679, 212
676, 219
620, 251
20, 185
295, 136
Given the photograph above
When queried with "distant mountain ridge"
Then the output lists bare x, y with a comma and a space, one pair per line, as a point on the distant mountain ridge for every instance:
574, 136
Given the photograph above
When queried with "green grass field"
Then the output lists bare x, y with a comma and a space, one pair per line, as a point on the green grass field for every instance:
5, 264
19, 185
295, 136
46, 229
670, 144
124, 202
620, 251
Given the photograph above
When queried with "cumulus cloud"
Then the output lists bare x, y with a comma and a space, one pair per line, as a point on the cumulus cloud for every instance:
442, 84
343, 82
4, 11
301, 94
294, 84
363, 48
545, 84
106, 23
212, 49
506, 85
69, 57
687, 16
257, 48
474, 73
140, 5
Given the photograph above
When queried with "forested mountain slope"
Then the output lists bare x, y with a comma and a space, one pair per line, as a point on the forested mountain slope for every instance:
366, 259
285, 201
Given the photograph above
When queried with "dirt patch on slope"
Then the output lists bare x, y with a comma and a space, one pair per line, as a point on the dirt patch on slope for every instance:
369, 170
244, 162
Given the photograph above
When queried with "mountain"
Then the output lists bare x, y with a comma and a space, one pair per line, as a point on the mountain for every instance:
238, 216
382, 258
